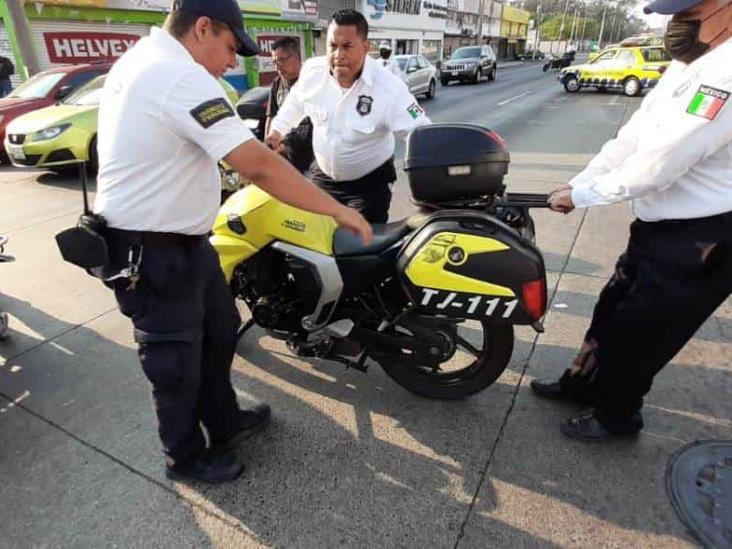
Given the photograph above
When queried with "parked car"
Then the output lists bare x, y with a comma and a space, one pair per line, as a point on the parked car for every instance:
252, 108
529, 55
46, 88
421, 74
631, 69
469, 64
64, 134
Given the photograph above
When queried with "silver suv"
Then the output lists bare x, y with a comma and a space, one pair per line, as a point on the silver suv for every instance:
469, 64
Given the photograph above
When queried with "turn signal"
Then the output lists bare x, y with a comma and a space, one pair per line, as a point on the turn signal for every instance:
535, 298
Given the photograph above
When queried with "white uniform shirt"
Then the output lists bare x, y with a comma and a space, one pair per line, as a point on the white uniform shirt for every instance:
353, 130
674, 157
164, 122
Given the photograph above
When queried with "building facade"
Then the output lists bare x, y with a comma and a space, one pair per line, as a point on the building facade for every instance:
462, 24
66, 32
514, 31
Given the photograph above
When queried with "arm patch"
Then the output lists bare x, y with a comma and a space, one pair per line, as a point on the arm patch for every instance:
209, 113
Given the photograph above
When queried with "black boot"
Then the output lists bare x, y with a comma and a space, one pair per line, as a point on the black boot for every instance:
549, 389
209, 468
588, 427
250, 422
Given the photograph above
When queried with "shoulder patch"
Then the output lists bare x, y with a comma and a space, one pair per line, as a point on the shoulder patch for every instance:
708, 102
415, 111
209, 113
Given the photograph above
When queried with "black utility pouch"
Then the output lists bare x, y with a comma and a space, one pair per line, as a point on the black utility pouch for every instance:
85, 245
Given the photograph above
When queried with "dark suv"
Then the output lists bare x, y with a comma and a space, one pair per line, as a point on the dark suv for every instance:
469, 64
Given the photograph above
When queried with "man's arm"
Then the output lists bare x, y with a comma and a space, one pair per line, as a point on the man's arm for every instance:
405, 113
289, 115
277, 177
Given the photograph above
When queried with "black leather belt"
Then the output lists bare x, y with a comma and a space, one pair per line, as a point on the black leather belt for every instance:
152, 239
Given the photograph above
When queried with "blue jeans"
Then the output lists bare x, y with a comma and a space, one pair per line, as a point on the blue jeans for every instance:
5, 87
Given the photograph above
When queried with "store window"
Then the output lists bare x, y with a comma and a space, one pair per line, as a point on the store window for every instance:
431, 49
404, 47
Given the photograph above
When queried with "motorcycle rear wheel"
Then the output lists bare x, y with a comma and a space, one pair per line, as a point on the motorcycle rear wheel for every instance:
490, 360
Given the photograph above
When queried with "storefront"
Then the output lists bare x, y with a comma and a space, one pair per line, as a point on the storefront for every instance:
514, 29
462, 24
82, 31
410, 26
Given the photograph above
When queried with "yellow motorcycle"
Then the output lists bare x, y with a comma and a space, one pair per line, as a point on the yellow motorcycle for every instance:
433, 299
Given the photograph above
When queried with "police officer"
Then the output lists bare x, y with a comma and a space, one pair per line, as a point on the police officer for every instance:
673, 159
356, 107
163, 126
387, 62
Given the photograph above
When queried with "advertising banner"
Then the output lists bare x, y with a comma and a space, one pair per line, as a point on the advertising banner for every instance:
86, 47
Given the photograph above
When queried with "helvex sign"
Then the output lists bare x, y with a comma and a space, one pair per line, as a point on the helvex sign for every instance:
84, 47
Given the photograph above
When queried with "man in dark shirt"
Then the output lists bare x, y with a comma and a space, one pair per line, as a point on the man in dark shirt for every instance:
7, 69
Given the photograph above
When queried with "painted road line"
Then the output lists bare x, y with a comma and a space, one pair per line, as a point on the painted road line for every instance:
513, 99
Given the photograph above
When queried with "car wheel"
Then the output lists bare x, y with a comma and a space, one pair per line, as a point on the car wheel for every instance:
477, 76
492, 75
93, 163
571, 84
631, 86
444, 81
431, 90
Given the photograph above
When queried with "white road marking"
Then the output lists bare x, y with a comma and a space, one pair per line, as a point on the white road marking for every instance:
513, 99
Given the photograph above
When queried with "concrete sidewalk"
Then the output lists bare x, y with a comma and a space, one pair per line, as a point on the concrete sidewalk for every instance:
350, 459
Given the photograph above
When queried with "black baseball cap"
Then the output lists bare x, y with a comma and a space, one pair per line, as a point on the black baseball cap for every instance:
668, 7
224, 11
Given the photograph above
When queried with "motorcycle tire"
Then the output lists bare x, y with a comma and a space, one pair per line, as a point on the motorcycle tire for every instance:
489, 364
545, 68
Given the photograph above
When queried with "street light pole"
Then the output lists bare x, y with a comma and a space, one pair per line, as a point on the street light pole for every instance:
481, 13
561, 27
538, 31
602, 27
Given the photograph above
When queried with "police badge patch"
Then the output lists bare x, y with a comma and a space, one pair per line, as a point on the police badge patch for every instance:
209, 113
363, 107
415, 111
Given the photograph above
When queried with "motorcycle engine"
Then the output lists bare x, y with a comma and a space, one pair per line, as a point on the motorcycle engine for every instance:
264, 284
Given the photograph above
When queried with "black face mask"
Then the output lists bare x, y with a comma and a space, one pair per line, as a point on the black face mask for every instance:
682, 41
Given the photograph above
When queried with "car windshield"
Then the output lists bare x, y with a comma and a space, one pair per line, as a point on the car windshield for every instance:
87, 95
466, 53
655, 55
38, 87
402, 61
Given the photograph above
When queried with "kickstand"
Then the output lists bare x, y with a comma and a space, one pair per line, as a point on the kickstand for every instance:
244, 328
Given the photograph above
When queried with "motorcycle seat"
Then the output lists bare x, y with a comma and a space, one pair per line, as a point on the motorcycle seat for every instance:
345, 243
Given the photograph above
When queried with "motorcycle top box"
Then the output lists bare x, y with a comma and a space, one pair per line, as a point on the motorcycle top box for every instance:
452, 162
473, 266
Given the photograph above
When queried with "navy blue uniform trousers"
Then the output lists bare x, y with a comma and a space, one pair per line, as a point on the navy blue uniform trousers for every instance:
669, 281
185, 324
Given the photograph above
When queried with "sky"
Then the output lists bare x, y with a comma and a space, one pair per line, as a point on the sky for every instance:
654, 20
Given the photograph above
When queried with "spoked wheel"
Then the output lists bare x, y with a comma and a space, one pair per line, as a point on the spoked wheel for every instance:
473, 356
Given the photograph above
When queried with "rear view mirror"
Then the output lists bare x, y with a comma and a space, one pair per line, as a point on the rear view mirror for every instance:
64, 92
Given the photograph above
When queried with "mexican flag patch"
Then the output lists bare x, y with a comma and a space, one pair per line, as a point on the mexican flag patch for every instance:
708, 102
415, 111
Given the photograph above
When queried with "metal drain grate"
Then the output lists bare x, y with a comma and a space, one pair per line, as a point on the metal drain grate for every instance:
699, 483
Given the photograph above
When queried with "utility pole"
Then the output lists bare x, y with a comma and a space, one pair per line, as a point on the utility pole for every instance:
602, 27
584, 27
538, 31
572, 36
561, 27
22, 35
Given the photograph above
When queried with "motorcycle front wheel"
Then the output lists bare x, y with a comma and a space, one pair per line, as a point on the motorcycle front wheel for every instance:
478, 354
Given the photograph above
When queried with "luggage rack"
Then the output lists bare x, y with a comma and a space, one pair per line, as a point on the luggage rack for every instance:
508, 200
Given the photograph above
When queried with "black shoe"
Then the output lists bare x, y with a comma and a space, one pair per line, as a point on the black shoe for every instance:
549, 389
587, 427
250, 422
209, 468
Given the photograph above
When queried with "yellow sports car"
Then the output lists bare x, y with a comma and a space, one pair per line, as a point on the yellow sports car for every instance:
66, 133
628, 68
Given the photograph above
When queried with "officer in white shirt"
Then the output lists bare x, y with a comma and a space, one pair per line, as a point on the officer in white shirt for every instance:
673, 160
389, 63
356, 106
163, 126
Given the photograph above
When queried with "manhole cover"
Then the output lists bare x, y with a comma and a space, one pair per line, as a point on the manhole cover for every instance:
699, 483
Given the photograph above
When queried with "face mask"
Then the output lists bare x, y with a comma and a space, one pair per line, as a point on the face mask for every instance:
682, 41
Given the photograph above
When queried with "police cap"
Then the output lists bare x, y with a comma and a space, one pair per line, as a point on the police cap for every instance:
224, 11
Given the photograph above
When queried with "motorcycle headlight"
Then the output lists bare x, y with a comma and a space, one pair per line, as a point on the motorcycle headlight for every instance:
51, 133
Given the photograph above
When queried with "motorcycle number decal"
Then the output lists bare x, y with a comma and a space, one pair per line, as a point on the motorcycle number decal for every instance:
480, 305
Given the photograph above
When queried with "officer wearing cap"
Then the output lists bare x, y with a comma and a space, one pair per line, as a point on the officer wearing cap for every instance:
387, 62
673, 160
356, 107
163, 126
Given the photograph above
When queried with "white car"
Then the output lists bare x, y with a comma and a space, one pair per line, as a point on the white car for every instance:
421, 74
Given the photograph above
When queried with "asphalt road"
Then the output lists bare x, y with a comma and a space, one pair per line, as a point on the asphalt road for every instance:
350, 459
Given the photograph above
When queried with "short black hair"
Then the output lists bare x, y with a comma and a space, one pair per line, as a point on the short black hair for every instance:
347, 18
287, 43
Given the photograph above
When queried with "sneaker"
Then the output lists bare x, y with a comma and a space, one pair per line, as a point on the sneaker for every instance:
209, 468
250, 422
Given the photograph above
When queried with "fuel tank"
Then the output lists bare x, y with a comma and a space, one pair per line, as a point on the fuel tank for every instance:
251, 219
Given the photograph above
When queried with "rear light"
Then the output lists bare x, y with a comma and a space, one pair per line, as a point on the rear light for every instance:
534, 298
